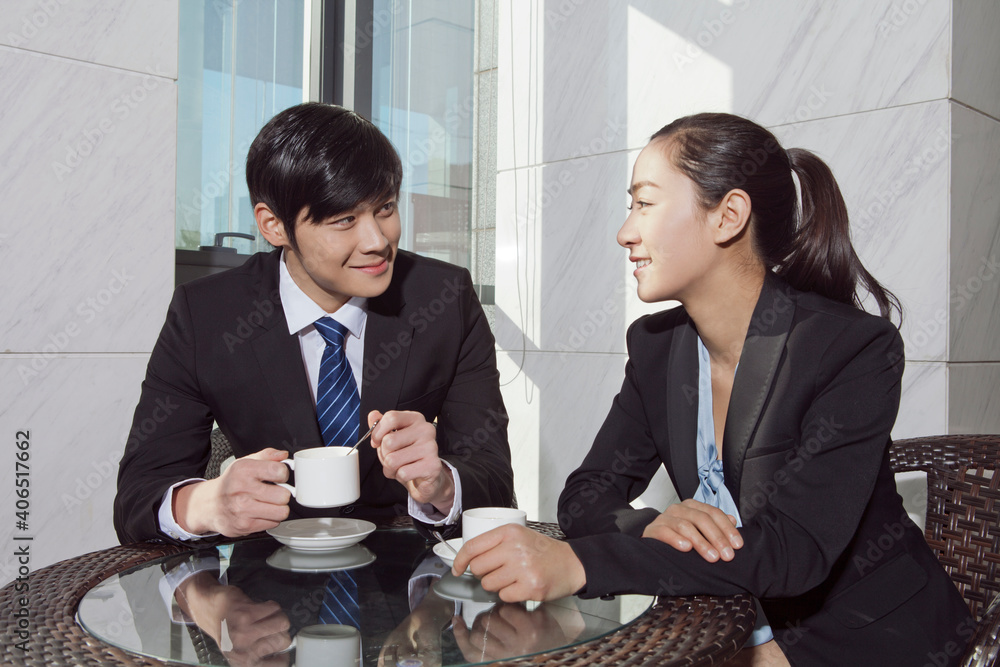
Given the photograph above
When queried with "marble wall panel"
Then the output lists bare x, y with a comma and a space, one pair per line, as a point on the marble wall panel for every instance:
561, 81
974, 398
976, 55
581, 280
137, 35
523, 431
556, 405
77, 419
557, 249
645, 62
892, 166
923, 405
975, 237
519, 84
575, 393
518, 258
88, 179
912, 488
788, 61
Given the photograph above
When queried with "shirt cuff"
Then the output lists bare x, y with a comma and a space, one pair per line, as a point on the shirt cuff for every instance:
431, 569
427, 513
168, 524
175, 577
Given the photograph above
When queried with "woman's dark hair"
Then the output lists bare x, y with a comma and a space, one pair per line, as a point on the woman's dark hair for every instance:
323, 158
810, 248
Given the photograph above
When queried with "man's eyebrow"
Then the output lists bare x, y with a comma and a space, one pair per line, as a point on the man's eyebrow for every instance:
635, 187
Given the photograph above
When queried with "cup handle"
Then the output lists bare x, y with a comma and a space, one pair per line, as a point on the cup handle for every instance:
288, 487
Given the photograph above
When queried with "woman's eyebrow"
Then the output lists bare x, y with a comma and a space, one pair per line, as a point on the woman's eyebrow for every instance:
635, 187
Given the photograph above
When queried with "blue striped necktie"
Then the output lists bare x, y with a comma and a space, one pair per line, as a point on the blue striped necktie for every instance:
337, 400
340, 601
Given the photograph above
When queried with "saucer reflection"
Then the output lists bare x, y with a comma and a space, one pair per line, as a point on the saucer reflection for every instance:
294, 560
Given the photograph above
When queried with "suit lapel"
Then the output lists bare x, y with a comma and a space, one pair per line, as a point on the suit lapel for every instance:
762, 351
387, 348
280, 359
682, 408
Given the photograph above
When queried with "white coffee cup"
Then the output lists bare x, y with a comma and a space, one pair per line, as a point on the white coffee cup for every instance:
325, 476
328, 645
479, 520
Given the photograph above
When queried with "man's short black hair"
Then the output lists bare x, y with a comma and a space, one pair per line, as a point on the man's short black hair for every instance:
323, 158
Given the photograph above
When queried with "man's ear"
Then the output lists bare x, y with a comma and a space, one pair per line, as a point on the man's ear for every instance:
271, 228
731, 216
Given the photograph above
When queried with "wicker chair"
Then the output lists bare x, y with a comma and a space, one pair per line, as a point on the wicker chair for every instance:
221, 450
963, 507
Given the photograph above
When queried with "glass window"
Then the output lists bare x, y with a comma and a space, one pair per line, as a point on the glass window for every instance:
408, 66
421, 97
240, 63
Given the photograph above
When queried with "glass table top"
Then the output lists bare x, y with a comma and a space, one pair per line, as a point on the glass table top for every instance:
386, 601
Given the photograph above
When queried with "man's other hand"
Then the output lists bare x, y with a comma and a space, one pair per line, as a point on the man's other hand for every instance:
407, 448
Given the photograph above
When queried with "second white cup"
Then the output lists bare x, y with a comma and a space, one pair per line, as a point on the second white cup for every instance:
327, 646
325, 476
478, 520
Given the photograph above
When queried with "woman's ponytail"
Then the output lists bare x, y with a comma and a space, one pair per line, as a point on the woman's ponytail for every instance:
822, 258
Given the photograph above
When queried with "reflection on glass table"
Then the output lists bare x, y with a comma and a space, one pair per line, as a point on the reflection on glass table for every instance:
387, 601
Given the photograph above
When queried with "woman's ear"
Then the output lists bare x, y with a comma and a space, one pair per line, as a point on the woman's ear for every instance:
271, 228
731, 216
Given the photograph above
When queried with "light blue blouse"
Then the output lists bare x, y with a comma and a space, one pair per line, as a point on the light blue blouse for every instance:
712, 486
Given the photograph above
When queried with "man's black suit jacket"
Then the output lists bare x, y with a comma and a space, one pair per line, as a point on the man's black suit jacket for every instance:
843, 575
225, 354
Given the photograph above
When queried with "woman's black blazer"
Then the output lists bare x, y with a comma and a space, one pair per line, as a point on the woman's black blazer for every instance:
842, 573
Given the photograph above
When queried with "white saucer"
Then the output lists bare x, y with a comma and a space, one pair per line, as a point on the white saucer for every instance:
446, 554
321, 534
463, 589
296, 560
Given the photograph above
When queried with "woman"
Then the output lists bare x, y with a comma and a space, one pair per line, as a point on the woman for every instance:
768, 395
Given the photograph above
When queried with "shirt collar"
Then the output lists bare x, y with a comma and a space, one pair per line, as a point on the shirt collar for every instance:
301, 311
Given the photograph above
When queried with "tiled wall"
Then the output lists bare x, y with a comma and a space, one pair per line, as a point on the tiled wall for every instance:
902, 99
87, 139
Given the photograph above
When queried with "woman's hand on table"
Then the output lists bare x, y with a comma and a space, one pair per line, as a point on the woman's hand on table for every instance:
520, 564
510, 630
419, 635
693, 524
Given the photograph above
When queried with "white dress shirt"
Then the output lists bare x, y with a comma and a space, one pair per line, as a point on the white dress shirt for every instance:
300, 314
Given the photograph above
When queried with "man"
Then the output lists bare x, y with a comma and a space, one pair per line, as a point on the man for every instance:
249, 349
